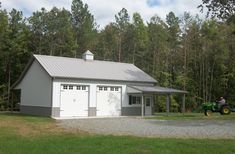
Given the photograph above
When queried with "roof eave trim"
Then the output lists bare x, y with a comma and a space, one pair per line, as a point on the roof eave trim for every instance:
161, 92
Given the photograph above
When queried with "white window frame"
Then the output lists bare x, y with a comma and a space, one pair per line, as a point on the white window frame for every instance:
78, 87
70, 87
65, 87
83, 87
100, 88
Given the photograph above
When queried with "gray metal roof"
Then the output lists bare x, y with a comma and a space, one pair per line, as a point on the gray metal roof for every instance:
64, 67
88, 53
153, 89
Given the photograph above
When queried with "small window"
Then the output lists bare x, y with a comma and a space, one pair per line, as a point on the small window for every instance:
148, 102
111, 88
70, 87
83, 87
137, 100
100, 88
105, 88
78, 87
65, 87
134, 100
116, 88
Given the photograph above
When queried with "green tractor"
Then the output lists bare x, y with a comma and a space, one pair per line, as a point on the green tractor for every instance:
210, 107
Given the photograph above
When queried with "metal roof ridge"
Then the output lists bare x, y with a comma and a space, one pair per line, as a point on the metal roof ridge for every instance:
73, 58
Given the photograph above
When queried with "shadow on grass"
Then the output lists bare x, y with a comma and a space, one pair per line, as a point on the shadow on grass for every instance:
24, 117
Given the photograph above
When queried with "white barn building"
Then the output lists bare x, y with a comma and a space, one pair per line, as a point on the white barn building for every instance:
71, 87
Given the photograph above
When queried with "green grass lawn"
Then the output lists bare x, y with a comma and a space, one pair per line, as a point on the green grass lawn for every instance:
192, 116
28, 134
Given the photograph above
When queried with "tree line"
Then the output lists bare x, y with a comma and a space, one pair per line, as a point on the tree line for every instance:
189, 53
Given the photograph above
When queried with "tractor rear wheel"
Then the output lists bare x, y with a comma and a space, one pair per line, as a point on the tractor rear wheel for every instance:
225, 110
208, 113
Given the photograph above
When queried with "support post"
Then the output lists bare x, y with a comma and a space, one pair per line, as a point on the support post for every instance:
142, 105
167, 105
153, 105
183, 104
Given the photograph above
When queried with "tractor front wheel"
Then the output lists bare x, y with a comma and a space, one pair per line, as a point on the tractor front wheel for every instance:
208, 112
225, 110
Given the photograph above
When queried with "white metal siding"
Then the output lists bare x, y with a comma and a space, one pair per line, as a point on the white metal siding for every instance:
36, 87
92, 90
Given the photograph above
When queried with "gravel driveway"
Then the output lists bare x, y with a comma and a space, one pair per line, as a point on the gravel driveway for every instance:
154, 128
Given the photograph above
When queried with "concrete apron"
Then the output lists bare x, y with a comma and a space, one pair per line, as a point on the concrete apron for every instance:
100, 117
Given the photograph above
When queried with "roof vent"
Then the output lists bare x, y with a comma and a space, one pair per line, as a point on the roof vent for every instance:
88, 55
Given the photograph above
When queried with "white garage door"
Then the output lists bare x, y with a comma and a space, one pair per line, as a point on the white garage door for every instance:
74, 100
108, 101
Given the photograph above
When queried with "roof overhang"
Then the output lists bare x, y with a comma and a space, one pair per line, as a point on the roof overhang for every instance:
153, 90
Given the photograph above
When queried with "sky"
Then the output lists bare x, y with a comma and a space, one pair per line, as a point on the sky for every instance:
105, 10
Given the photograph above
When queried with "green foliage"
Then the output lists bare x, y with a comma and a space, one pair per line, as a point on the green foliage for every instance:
140, 38
223, 9
161, 104
122, 20
51, 32
122, 24
185, 53
83, 24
